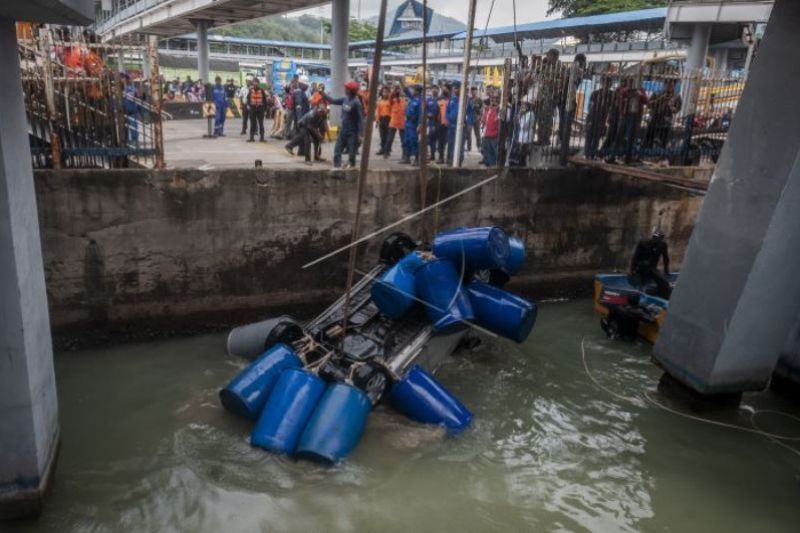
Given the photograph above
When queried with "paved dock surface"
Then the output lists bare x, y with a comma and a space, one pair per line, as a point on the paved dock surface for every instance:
185, 147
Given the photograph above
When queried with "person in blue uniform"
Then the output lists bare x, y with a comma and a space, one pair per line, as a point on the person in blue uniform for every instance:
220, 98
413, 120
352, 124
451, 117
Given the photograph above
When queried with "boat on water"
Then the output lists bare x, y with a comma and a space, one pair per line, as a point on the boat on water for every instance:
310, 387
618, 297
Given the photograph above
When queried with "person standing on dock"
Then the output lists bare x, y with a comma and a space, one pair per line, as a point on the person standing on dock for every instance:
220, 99
452, 122
352, 124
441, 125
599, 104
242, 95
432, 119
396, 120
256, 106
411, 128
477, 111
491, 132
382, 116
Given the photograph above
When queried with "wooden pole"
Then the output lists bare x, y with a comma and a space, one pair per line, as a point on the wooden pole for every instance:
155, 101
364, 168
423, 149
462, 100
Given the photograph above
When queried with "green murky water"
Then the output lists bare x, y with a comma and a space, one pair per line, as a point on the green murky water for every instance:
146, 447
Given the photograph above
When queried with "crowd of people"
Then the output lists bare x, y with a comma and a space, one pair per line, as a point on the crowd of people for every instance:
621, 119
301, 111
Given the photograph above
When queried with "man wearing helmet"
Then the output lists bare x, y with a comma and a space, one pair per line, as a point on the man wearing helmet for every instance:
352, 124
644, 265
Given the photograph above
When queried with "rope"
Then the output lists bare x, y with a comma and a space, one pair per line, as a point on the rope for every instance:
754, 413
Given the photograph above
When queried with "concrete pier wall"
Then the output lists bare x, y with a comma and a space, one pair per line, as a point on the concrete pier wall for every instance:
141, 251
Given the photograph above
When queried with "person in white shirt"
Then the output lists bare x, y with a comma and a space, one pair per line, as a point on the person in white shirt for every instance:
241, 94
523, 136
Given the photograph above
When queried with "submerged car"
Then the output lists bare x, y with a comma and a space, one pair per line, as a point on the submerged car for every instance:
310, 387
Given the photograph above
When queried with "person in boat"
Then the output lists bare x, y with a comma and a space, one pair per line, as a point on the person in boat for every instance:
644, 265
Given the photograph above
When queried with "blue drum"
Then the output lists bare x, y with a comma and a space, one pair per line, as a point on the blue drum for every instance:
420, 397
516, 256
395, 292
501, 312
474, 248
336, 425
440, 288
287, 411
247, 393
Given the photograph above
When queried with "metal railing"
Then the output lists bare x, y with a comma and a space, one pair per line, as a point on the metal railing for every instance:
82, 114
650, 113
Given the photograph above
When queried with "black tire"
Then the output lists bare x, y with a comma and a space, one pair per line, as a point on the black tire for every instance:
286, 331
374, 380
395, 247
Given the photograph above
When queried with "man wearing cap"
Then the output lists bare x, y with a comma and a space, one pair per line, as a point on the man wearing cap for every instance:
411, 129
352, 124
441, 125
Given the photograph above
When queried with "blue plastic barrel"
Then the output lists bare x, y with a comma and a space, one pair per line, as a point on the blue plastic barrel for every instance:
479, 248
420, 397
516, 255
247, 393
287, 411
394, 292
501, 312
336, 425
440, 288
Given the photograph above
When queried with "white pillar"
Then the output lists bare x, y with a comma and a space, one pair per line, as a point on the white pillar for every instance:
28, 403
340, 25
202, 50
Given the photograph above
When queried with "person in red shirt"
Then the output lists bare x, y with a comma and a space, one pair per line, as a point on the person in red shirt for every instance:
491, 131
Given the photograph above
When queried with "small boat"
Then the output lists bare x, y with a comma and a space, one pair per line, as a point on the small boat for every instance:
310, 387
616, 291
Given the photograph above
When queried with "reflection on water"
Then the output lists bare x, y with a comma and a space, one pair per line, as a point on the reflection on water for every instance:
146, 447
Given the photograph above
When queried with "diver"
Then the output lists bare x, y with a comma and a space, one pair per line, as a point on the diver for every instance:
644, 265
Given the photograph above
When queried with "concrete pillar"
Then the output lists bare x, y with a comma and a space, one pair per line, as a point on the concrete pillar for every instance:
340, 25
739, 293
121, 59
28, 403
202, 50
698, 49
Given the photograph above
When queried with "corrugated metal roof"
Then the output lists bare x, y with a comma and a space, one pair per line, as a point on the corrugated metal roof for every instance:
625, 20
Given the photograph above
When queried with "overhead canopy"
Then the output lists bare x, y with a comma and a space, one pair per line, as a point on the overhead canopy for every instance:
411, 37
643, 19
